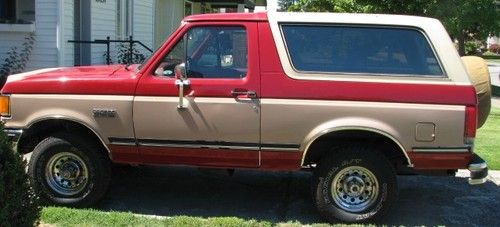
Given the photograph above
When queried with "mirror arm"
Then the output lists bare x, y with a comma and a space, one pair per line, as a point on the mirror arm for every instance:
181, 81
181, 84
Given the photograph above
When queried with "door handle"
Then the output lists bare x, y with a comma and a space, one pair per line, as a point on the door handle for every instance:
247, 94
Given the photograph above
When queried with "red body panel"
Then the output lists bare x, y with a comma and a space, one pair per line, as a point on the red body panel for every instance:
90, 80
272, 74
200, 157
272, 160
279, 160
440, 161
125, 154
151, 85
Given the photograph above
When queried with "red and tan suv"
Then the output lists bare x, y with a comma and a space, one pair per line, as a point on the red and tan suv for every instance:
355, 98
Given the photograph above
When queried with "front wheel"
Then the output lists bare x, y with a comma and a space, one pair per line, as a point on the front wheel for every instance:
354, 184
69, 170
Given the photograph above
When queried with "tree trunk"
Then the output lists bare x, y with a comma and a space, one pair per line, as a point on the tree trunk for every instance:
461, 44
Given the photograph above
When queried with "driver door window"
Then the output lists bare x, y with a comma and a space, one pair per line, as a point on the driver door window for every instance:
209, 52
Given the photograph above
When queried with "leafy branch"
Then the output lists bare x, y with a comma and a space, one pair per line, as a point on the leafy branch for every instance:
17, 58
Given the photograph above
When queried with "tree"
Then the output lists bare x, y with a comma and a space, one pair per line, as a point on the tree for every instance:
415, 7
343, 6
285, 4
467, 20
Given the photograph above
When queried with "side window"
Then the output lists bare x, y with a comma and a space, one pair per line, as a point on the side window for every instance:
209, 52
401, 52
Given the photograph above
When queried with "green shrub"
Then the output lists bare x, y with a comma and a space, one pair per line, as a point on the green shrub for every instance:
471, 48
127, 57
18, 203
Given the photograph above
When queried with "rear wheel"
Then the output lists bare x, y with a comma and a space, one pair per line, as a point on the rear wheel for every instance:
354, 184
69, 170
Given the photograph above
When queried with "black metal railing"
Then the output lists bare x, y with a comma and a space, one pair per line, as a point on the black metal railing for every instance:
108, 42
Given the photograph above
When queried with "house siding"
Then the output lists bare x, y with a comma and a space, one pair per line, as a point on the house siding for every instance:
55, 25
143, 13
103, 24
169, 14
69, 32
9, 40
45, 52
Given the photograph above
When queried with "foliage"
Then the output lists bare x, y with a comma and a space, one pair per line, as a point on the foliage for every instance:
285, 4
471, 48
343, 6
467, 20
127, 55
17, 59
18, 203
415, 7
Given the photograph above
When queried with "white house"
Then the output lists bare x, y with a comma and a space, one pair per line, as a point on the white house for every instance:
55, 22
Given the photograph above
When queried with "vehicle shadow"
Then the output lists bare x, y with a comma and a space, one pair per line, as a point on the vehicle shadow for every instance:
285, 196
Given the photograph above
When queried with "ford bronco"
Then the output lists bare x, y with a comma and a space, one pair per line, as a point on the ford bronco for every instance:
355, 98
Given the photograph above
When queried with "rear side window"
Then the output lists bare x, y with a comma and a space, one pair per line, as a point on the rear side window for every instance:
360, 50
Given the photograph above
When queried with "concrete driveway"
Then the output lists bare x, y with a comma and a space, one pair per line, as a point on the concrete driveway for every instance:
285, 196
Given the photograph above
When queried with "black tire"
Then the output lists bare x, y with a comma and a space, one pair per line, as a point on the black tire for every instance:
82, 161
354, 163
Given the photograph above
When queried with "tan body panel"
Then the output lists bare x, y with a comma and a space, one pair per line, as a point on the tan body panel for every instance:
283, 121
203, 119
29, 109
302, 121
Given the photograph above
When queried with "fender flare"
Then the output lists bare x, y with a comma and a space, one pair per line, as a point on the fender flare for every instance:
70, 119
304, 148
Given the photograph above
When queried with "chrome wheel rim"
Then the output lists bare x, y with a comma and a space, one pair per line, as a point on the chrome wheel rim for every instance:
355, 189
66, 174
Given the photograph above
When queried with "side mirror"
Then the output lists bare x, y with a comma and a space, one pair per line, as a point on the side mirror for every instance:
181, 81
180, 71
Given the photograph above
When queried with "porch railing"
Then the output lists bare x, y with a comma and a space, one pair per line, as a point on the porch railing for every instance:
108, 42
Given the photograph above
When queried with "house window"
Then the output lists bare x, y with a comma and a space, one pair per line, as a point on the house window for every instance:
17, 11
7, 11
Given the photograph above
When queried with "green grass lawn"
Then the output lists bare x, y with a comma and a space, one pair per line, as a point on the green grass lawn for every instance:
60, 216
488, 140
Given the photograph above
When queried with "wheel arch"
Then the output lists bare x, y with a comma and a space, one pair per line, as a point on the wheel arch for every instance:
40, 128
310, 149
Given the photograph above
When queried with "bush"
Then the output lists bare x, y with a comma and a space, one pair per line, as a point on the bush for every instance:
495, 48
17, 59
472, 48
18, 203
127, 57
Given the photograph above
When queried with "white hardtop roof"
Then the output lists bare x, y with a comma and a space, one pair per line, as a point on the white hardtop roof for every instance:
352, 18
